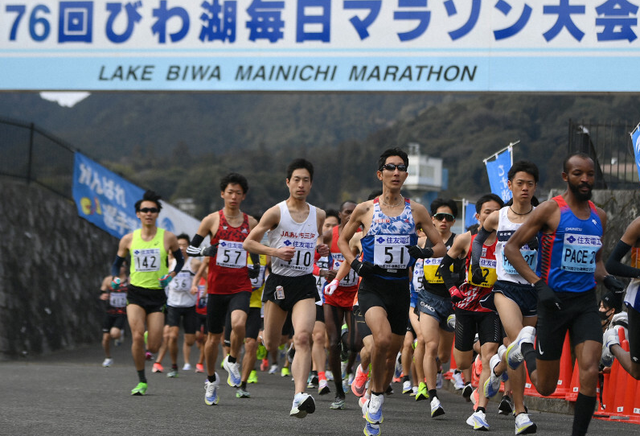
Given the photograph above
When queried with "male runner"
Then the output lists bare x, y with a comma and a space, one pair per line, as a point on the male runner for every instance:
115, 315
514, 297
149, 275
229, 284
294, 227
570, 263
389, 224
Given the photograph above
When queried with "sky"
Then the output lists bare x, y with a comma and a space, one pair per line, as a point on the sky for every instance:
65, 99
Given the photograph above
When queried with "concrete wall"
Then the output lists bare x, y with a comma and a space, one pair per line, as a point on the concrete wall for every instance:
51, 266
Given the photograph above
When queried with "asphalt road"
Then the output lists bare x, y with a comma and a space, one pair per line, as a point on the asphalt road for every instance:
69, 393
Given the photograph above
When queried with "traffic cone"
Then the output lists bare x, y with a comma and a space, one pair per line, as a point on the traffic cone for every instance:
572, 393
452, 364
565, 381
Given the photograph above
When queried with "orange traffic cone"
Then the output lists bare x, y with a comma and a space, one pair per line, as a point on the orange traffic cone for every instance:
565, 381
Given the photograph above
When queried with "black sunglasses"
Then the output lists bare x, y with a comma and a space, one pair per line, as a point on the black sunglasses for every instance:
392, 167
447, 216
149, 209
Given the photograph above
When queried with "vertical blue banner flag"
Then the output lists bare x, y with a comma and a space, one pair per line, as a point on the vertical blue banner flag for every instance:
635, 140
469, 215
104, 198
497, 171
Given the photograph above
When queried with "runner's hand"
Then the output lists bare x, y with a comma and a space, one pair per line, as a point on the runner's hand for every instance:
331, 287
364, 269
165, 280
547, 296
419, 253
115, 283
254, 271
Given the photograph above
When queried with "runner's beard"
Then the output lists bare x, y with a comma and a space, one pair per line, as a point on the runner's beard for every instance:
581, 196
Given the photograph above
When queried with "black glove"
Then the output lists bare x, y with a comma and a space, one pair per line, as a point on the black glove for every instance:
254, 271
547, 296
477, 275
364, 269
533, 243
617, 290
419, 253
210, 251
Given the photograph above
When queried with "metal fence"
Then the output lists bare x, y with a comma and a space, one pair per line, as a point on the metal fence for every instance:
610, 147
35, 156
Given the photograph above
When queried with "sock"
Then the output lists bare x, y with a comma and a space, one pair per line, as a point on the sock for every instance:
481, 409
529, 357
174, 366
582, 414
433, 393
321, 375
141, 376
243, 385
211, 378
377, 393
232, 359
456, 371
405, 378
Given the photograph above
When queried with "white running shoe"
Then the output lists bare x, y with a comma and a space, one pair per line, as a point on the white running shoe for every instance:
514, 351
406, 387
273, 369
186, 367
458, 382
439, 380
211, 392
234, 378
323, 387
524, 424
451, 321
303, 404
374, 409
492, 384
107, 362
436, 407
478, 420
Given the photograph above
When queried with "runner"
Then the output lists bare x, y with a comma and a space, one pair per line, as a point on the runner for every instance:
294, 227
229, 284
570, 263
115, 315
149, 275
389, 224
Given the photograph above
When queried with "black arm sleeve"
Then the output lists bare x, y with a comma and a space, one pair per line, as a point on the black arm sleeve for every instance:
255, 259
445, 271
476, 250
614, 265
115, 268
179, 260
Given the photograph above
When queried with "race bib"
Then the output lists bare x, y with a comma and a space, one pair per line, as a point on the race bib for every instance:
351, 279
258, 281
302, 259
579, 253
432, 270
118, 299
390, 251
231, 255
146, 259
181, 282
530, 256
488, 273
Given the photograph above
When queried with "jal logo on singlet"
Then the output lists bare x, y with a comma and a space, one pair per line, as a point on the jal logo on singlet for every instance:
579, 252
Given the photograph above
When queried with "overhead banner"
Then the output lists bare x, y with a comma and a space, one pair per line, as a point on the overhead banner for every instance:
635, 140
320, 45
498, 170
108, 201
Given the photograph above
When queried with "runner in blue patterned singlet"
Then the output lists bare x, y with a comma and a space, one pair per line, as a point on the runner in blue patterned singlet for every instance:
389, 224
569, 265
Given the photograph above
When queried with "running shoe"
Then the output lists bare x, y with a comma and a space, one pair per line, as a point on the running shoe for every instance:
436, 407
323, 387
261, 353
358, 387
234, 378
350, 378
478, 420
291, 352
492, 384
374, 409
264, 365
451, 321
345, 385
414, 391
371, 429
362, 402
285, 372
107, 362
146, 336
338, 404
343, 369
423, 393
524, 424
458, 382
439, 380
406, 387
312, 381
117, 342
241, 393
302, 405
186, 367
609, 338
389, 390
329, 375
398, 370
273, 369
506, 405
514, 351
475, 397
140, 389
173, 373
211, 391
253, 377
199, 367
148, 355
157, 367
467, 391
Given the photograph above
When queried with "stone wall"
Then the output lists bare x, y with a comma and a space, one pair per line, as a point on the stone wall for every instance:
52, 263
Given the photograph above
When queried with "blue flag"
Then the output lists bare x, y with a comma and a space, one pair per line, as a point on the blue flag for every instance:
635, 140
497, 171
469, 215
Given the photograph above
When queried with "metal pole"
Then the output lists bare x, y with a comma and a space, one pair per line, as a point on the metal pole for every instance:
30, 160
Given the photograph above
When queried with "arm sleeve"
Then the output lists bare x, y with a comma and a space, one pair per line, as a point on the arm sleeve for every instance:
115, 268
476, 250
445, 271
614, 265
255, 259
179, 261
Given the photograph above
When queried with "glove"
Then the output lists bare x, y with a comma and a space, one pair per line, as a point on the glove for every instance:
419, 253
331, 287
210, 251
456, 294
613, 284
254, 272
364, 269
547, 296
165, 280
115, 283
533, 243
477, 275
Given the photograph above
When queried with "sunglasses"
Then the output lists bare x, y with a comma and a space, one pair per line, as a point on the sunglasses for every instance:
392, 167
149, 209
447, 216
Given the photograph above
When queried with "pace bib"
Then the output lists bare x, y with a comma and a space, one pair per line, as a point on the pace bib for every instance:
579, 253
